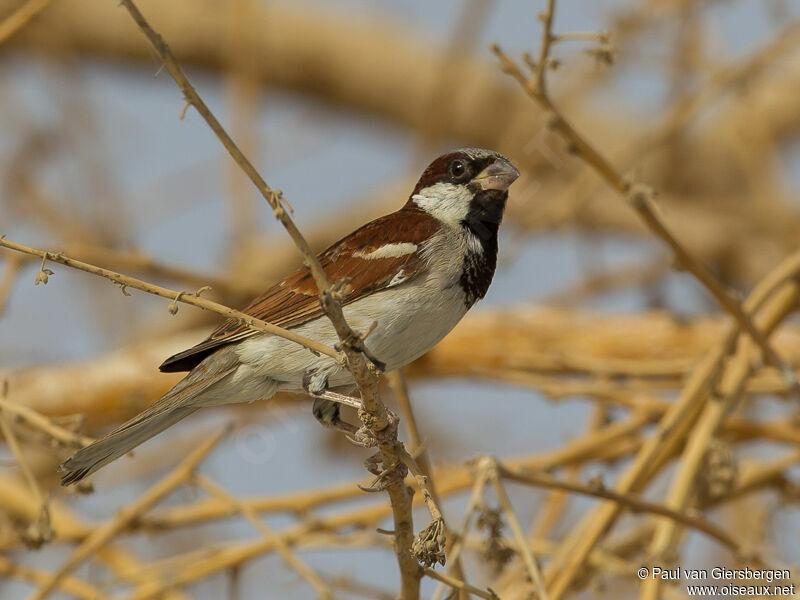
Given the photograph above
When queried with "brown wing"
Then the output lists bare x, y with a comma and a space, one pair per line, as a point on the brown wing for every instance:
294, 300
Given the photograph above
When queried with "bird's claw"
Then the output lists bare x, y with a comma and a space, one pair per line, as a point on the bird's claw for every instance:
367, 437
378, 364
384, 477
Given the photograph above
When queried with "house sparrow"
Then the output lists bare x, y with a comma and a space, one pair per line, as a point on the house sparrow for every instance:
414, 272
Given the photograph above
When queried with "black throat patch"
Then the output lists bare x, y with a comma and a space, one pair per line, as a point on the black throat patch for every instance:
482, 223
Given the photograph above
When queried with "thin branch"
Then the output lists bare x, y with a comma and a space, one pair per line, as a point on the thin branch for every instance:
21, 17
399, 386
628, 501
38, 421
420, 468
531, 565
281, 546
640, 197
70, 585
125, 282
13, 267
581, 35
101, 536
139, 261
457, 584
39, 530
478, 487
540, 68
429, 547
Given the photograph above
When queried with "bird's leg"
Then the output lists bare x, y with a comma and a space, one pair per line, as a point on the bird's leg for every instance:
337, 398
327, 413
327, 404
327, 407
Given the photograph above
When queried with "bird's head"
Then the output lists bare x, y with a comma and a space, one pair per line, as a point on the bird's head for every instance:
465, 186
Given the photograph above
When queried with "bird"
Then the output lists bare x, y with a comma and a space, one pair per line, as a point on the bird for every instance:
407, 277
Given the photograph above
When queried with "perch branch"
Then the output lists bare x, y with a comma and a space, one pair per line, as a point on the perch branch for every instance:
373, 414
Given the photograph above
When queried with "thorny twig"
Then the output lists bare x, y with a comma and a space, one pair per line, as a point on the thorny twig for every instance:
125, 281
458, 584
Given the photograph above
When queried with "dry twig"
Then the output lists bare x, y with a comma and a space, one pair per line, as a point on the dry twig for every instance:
20, 17
282, 547
640, 197
40, 531
101, 536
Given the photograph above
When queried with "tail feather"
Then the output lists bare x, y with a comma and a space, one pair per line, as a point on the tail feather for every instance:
178, 403
120, 441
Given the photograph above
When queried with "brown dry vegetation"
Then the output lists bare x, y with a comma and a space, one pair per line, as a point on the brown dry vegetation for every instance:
676, 428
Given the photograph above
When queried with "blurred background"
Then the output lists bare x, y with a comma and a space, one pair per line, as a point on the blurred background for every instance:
341, 104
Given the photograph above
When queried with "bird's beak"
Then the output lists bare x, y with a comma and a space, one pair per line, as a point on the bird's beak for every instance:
497, 176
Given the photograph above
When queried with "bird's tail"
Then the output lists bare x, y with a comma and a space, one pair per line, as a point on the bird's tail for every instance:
120, 441
175, 405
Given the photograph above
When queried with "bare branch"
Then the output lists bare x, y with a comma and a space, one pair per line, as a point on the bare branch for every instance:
104, 534
125, 281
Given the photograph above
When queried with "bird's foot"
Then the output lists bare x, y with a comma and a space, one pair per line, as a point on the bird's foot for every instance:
385, 476
367, 437
327, 404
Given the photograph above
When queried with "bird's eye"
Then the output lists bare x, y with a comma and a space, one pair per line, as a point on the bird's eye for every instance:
457, 169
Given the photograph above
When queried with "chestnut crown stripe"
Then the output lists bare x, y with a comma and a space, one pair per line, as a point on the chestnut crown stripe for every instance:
357, 259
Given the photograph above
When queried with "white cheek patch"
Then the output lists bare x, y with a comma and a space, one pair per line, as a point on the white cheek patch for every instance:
388, 251
447, 202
